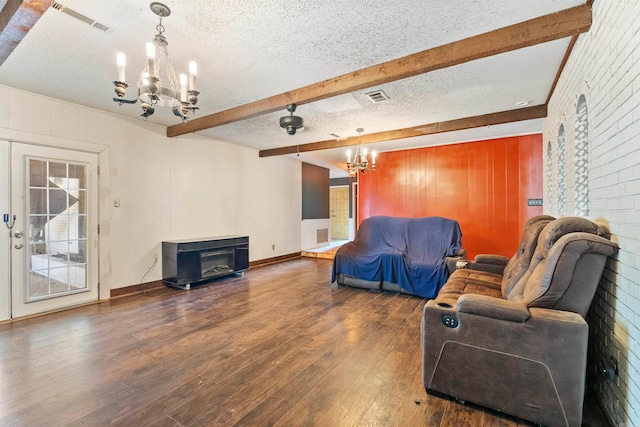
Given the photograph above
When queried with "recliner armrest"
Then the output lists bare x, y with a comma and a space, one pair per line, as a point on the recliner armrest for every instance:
451, 261
483, 305
491, 259
489, 263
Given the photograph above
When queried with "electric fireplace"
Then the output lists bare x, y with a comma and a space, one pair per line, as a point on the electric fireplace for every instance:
187, 262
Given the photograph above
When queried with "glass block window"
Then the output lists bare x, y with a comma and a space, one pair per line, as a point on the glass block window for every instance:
548, 198
562, 172
582, 158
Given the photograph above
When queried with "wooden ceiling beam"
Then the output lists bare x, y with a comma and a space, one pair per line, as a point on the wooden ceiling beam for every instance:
16, 19
565, 23
529, 113
565, 59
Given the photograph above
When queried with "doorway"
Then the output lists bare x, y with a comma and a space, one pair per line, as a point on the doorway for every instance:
339, 211
53, 252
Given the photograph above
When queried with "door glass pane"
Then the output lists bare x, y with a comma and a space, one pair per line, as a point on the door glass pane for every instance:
58, 228
38, 173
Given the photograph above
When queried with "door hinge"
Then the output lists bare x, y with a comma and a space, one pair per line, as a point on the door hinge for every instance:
98, 167
98, 228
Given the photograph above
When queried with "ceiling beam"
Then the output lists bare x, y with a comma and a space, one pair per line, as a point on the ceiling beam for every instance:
565, 23
16, 19
529, 113
565, 59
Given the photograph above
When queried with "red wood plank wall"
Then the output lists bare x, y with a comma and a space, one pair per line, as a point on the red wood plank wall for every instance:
483, 185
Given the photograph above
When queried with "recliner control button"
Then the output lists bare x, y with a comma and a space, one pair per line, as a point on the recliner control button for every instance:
450, 321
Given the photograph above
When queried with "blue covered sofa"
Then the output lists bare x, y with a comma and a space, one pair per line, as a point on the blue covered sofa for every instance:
408, 255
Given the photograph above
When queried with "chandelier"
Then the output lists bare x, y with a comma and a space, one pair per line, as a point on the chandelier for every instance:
359, 161
158, 85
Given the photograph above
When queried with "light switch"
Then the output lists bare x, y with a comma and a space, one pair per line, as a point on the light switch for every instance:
116, 203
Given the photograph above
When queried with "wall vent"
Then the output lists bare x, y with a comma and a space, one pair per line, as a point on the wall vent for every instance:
81, 17
377, 96
322, 235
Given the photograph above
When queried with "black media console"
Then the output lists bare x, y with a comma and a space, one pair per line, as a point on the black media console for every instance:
187, 262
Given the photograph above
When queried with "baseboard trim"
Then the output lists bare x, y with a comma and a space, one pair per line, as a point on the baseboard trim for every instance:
137, 289
281, 258
159, 284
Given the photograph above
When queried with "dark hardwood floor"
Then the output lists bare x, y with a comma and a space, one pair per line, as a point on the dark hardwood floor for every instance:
279, 346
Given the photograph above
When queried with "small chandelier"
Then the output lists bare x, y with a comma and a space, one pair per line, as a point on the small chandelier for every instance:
359, 161
158, 85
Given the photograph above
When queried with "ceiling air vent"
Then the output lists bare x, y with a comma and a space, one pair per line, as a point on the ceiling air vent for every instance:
377, 96
81, 17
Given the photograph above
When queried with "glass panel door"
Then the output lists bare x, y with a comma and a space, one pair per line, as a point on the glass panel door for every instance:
54, 241
57, 228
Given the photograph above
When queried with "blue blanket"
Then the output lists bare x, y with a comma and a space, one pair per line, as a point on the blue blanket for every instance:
408, 251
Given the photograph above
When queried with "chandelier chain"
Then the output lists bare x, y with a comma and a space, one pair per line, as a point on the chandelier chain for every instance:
160, 28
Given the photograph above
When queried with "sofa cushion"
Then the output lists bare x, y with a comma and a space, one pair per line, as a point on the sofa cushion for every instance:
463, 282
519, 263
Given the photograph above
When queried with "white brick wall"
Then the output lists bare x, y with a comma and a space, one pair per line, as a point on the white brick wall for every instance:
605, 67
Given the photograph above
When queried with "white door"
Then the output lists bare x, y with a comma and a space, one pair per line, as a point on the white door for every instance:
339, 206
54, 242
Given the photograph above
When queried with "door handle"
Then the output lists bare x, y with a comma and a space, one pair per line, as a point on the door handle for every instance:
19, 246
18, 234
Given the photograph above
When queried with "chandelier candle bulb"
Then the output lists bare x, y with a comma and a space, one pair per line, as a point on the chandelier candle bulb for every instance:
348, 156
373, 158
183, 87
121, 61
151, 55
193, 72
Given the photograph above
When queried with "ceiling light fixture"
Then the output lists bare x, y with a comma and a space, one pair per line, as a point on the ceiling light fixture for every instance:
158, 85
522, 103
359, 162
291, 123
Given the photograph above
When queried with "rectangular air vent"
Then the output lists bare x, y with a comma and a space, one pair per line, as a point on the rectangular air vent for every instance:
322, 235
100, 27
81, 17
377, 96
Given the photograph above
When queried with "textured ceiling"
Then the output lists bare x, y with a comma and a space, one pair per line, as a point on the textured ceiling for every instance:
247, 51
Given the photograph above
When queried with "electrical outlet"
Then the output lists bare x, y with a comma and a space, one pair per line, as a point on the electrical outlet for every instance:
155, 257
609, 368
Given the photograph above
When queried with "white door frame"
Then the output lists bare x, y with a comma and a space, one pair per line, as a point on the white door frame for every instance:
8, 136
5, 236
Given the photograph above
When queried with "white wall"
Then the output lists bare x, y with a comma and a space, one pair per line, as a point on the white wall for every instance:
169, 188
605, 67
309, 230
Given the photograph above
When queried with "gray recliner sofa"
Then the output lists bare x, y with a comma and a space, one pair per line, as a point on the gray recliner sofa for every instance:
517, 342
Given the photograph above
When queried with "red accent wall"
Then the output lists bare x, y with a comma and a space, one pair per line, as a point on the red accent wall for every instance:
483, 185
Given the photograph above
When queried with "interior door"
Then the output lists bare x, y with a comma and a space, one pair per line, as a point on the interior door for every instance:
339, 206
54, 242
